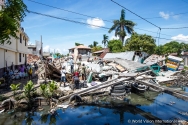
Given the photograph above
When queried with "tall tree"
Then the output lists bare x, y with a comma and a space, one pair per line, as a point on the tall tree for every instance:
77, 44
95, 43
115, 46
140, 42
172, 47
91, 46
10, 17
121, 26
105, 40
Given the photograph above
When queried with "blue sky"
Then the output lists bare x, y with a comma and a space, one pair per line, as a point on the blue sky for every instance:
62, 35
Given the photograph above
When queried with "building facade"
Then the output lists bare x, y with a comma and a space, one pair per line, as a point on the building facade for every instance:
14, 54
36, 49
83, 50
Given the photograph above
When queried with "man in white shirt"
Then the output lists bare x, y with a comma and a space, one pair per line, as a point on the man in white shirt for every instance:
63, 76
72, 65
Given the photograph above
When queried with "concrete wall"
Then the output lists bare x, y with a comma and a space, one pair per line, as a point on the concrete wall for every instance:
2, 58
10, 52
10, 58
18, 58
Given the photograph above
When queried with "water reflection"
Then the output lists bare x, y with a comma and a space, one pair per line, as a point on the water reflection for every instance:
148, 105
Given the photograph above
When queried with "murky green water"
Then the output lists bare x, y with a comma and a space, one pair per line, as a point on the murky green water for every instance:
144, 107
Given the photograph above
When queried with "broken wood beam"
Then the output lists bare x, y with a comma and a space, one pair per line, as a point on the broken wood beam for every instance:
96, 87
176, 93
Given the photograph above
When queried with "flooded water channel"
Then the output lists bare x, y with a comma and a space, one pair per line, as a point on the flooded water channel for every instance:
144, 108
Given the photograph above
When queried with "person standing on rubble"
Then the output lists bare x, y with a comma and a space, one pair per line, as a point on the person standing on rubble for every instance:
30, 72
76, 80
83, 71
72, 65
63, 74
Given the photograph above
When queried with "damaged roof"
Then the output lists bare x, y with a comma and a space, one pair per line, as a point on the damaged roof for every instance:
154, 59
129, 65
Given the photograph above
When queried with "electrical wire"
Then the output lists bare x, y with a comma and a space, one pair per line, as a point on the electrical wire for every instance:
176, 28
135, 14
85, 15
82, 23
162, 17
65, 10
67, 20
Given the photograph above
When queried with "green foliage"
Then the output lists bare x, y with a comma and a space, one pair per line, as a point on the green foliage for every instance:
91, 46
28, 89
14, 87
171, 47
121, 26
105, 40
47, 90
139, 42
115, 46
77, 44
159, 50
97, 48
10, 18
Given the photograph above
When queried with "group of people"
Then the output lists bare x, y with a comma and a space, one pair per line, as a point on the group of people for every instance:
21, 72
81, 71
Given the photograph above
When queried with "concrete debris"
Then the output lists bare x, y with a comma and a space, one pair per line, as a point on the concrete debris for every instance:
100, 75
154, 59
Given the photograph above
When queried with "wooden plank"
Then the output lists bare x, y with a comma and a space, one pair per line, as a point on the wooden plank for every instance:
120, 68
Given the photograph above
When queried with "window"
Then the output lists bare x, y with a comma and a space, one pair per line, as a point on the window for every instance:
20, 58
23, 55
20, 38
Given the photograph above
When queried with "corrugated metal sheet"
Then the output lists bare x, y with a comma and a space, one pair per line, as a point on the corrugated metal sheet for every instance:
128, 55
129, 65
123, 55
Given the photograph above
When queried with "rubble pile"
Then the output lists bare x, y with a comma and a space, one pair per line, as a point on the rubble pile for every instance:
32, 58
52, 70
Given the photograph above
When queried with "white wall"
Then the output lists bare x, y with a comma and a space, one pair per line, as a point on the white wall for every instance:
1, 58
10, 57
22, 59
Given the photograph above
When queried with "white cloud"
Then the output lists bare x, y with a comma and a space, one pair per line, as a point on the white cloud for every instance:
46, 48
180, 37
57, 50
164, 15
95, 23
114, 37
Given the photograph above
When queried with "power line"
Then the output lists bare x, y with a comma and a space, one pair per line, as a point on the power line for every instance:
65, 10
135, 14
73, 21
162, 17
84, 15
176, 28
68, 20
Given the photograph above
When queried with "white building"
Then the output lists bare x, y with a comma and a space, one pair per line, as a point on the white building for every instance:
36, 49
14, 54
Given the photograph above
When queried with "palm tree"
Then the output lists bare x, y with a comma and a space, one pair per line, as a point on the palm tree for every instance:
95, 43
121, 25
14, 87
91, 46
105, 40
